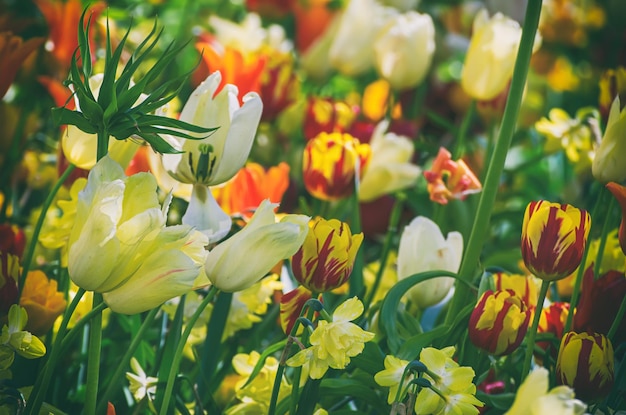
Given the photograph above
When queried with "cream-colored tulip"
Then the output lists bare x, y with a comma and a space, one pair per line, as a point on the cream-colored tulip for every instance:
217, 158
120, 246
351, 52
490, 59
608, 164
79, 147
390, 168
404, 49
424, 248
244, 258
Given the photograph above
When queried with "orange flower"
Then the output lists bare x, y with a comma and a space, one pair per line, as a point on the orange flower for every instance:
13, 52
60, 16
448, 179
236, 68
42, 301
250, 186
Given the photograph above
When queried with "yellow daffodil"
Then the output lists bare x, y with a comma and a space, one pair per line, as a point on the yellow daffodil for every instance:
263, 242
141, 385
334, 343
499, 322
391, 377
15, 339
533, 397
451, 380
390, 168
424, 248
553, 239
570, 134
325, 260
120, 246
404, 48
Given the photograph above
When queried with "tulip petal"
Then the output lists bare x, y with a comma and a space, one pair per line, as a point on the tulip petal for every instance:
204, 214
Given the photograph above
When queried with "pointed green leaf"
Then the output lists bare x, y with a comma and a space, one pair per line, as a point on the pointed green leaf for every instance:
62, 116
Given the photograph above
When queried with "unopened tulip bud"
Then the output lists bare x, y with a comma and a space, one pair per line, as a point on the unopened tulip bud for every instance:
585, 363
553, 239
499, 322
325, 260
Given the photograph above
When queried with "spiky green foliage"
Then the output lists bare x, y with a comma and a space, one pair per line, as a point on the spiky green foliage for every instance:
115, 111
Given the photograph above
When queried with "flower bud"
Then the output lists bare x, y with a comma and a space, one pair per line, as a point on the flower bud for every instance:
585, 363
332, 163
491, 55
499, 322
404, 49
325, 260
608, 163
553, 239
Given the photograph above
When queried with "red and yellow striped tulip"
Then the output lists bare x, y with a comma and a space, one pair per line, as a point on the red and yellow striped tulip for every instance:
325, 260
553, 239
619, 192
499, 322
524, 286
552, 321
291, 305
586, 364
331, 164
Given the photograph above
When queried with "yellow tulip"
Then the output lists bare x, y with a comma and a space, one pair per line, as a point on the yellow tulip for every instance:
608, 163
490, 59
262, 243
42, 301
120, 246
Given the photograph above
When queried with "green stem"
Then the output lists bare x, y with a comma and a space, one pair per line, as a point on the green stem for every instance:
356, 277
618, 320
603, 237
459, 146
103, 144
43, 380
32, 245
496, 164
530, 339
115, 379
581, 269
392, 230
93, 358
178, 355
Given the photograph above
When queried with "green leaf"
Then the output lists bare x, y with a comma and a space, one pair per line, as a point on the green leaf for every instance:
83, 44
62, 116
158, 144
107, 96
501, 401
341, 387
389, 307
412, 347
371, 360
261, 362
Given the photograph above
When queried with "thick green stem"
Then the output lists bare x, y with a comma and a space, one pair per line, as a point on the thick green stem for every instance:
459, 144
496, 164
356, 277
93, 358
532, 333
95, 328
43, 380
392, 230
618, 320
123, 365
178, 355
32, 245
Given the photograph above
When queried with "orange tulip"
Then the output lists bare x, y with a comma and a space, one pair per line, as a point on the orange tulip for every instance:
250, 186
13, 52
42, 302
